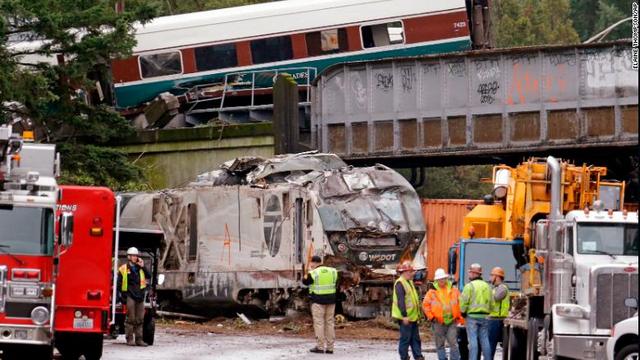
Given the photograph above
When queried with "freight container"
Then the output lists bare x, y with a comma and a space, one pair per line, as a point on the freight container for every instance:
443, 219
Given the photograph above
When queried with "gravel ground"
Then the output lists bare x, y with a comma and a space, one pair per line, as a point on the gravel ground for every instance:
178, 345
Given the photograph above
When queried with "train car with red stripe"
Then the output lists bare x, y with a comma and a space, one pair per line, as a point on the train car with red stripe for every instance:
245, 47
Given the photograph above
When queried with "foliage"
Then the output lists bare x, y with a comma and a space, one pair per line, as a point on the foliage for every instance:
533, 22
593, 16
34, 36
454, 182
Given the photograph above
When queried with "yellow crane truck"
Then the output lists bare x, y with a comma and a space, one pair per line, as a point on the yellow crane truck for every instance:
570, 254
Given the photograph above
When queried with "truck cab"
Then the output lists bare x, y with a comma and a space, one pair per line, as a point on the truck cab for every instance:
602, 274
28, 246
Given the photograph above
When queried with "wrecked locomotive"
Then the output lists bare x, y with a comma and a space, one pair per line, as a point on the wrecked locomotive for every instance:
243, 234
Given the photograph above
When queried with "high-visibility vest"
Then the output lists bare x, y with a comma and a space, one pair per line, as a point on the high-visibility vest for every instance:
442, 304
476, 298
324, 280
411, 301
124, 271
500, 309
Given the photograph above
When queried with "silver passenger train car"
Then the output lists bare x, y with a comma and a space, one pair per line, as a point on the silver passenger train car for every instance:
242, 235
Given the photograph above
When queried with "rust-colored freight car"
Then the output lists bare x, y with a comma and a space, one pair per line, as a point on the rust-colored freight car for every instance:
443, 219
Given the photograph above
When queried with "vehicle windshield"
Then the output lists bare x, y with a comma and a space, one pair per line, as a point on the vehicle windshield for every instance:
490, 255
607, 238
26, 230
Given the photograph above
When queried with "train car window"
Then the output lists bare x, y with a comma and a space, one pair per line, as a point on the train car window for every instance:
382, 34
326, 42
271, 49
216, 57
193, 231
163, 64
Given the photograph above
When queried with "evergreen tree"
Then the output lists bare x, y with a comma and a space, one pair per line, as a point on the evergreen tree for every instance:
53, 53
593, 16
533, 22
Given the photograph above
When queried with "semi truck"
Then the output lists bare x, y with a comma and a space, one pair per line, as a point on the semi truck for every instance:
569, 250
55, 256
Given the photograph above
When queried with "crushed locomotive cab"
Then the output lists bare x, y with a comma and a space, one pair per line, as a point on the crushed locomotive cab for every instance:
244, 233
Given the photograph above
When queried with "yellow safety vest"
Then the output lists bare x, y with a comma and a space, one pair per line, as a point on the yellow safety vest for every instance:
500, 309
411, 301
476, 298
324, 280
124, 271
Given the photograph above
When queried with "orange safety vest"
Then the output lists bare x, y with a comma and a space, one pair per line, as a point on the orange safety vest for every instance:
439, 302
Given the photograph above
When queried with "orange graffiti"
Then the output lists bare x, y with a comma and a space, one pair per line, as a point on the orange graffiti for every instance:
227, 243
524, 84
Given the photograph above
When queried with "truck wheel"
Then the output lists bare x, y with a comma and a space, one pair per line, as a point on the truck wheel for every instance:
532, 339
505, 342
93, 347
66, 347
517, 344
36, 352
629, 352
149, 330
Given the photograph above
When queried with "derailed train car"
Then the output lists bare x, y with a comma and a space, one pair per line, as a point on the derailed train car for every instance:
242, 235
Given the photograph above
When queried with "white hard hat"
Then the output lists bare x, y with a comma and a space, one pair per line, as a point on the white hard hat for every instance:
133, 251
440, 274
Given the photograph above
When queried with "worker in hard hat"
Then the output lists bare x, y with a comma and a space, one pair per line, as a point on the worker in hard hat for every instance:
322, 281
500, 304
132, 285
441, 307
475, 305
406, 310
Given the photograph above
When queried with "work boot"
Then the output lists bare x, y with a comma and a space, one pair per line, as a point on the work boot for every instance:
316, 350
329, 352
139, 342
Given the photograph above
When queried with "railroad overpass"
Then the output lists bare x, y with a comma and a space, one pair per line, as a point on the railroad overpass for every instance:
577, 101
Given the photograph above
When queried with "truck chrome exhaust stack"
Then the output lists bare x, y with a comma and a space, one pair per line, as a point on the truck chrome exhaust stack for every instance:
556, 195
558, 265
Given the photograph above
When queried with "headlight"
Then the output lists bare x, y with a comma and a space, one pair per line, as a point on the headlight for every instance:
31, 291
571, 311
17, 291
25, 291
40, 315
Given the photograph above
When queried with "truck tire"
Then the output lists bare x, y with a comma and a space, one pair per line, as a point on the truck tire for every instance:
149, 330
532, 339
517, 345
93, 347
505, 342
629, 352
35, 352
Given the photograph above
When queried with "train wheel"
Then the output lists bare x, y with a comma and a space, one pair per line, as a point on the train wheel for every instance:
149, 330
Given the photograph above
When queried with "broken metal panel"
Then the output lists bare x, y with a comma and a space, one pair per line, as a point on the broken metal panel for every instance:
256, 235
510, 100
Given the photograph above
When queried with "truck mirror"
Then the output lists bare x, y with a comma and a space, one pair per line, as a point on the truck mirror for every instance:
542, 233
631, 302
66, 229
452, 260
160, 279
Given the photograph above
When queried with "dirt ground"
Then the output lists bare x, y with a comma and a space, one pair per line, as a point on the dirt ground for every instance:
300, 326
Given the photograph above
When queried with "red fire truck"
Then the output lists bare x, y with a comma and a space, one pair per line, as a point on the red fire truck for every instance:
55, 273
84, 278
